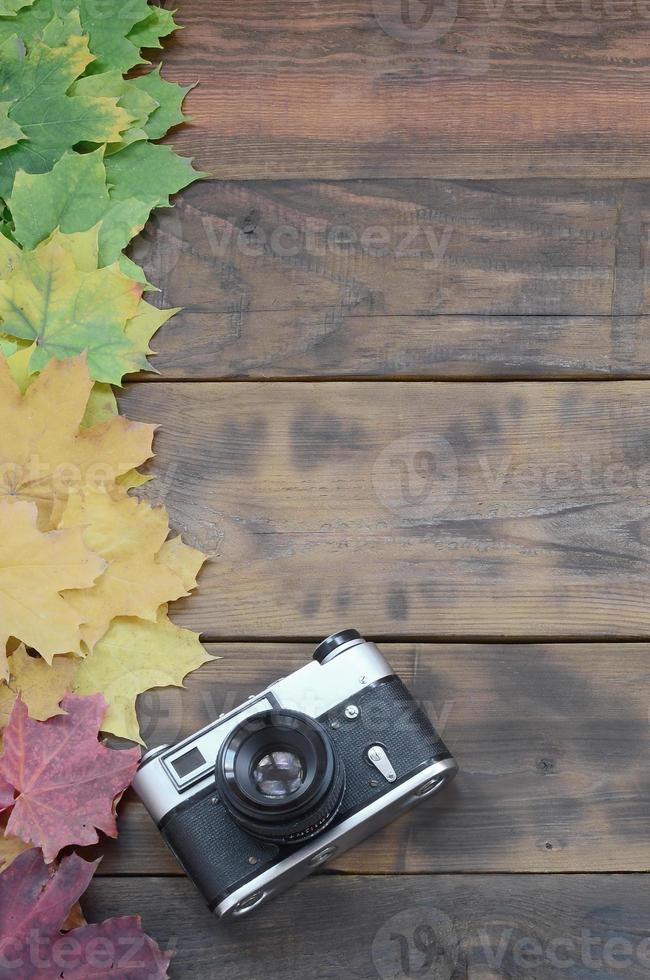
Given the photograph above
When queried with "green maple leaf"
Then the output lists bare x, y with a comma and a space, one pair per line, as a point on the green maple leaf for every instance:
60, 29
37, 22
8, 8
74, 197
158, 24
24, 25
52, 120
6, 223
122, 222
57, 299
169, 99
106, 22
102, 405
10, 131
8, 347
149, 170
131, 97
141, 328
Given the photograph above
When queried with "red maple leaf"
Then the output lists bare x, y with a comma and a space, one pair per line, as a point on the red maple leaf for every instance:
34, 901
6, 794
65, 778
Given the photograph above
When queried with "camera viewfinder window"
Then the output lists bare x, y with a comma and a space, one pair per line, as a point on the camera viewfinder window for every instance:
185, 764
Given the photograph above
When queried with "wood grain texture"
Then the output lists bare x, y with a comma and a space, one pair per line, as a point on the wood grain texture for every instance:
342, 88
432, 511
581, 927
552, 742
403, 278
328, 345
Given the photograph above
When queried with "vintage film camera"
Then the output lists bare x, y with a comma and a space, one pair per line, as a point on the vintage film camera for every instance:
297, 774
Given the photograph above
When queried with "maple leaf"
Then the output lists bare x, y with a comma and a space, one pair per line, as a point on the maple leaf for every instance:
36, 902
52, 121
10, 7
10, 131
32, 22
128, 533
133, 98
169, 98
35, 568
23, 25
108, 24
7, 699
158, 24
41, 686
134, 656
7, 793
66, 780
145, 170
10, 848
184, 560
102, 405
146, 322
122, 222
45, 454
56, 298
73, 197
40, 23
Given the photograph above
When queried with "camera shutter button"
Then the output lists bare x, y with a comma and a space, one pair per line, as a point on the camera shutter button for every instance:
377, 755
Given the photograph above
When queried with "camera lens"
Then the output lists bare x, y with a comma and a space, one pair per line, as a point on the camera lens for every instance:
279, 776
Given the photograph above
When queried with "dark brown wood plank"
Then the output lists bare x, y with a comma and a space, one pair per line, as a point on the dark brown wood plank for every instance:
432, 511
400, 247
339, 88
403, 278
552, 742
329, 345
580, 927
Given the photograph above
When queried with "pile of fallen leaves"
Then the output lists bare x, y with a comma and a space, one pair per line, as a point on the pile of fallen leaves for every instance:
86, 570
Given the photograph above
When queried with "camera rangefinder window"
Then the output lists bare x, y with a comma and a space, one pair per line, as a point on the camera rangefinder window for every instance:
279, 773
185, 764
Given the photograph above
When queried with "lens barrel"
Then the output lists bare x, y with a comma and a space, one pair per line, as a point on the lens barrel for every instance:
279, 776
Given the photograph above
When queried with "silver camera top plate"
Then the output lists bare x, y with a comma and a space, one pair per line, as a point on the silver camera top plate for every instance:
169, 776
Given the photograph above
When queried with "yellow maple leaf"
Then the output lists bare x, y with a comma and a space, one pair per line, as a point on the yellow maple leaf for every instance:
129, 534
7, 698
10, 847
58, 300
182, 559
45, 453
40, 685
145, 322
18, 365
134, 656
35, 569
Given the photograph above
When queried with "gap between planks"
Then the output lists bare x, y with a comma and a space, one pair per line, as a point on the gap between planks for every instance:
459, 639
390, 379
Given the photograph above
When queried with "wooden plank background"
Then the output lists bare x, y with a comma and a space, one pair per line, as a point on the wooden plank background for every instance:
414, 279
554, 770
442, 926
347, 88
416, 509
409, 392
